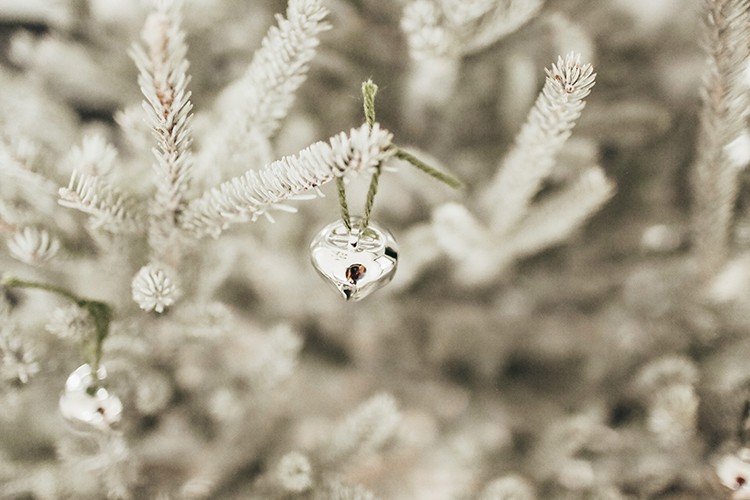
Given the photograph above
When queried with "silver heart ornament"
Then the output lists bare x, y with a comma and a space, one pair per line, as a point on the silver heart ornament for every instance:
355, 263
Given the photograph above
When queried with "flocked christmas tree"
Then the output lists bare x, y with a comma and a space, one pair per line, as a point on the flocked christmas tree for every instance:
569, 324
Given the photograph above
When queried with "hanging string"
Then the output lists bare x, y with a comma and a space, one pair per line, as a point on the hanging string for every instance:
345, 218
369, 89
427, 169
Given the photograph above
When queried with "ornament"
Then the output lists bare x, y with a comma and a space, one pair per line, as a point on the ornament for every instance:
734, 473
352, 254
86, 402
355, 262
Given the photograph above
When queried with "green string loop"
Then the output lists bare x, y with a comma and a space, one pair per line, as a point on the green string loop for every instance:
369, 90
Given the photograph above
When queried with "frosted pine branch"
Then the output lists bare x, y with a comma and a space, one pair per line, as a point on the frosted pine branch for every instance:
548, 126
281, 64
71, 322
8, 218
163, 79
466, 241
254, 193
95, 156
33, 246
17, 359
261, 98
518, 229
106, 457
109, 209
554, 219
508, 487
14, 167
337, 490
462, 12
725, 104
366, 429
673, 414
667, 385
275, 359
457, 231
505, 18
426, 35
294, 472
134, 127
454, 27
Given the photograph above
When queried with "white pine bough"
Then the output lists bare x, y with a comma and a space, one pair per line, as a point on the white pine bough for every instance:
262, 97
516, 227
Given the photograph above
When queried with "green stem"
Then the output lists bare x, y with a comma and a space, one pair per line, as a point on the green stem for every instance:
431, 171
11, 282
101, 312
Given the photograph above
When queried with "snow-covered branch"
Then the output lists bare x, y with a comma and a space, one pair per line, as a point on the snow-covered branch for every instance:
455, 28
254, 193
262, 97
109, 208
725, 108
548, 126
163, 78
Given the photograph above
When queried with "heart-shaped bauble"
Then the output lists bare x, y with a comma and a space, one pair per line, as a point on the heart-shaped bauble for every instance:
355, 262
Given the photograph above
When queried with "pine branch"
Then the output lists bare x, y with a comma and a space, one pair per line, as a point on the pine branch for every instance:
294, 472
426, 34
517, 229
549, 222
33, 246
553, 220
464, 12
458, 232
507, 17
511, 486
262, 97
17, 360
548, 126
95, 156
454, 28
163, 79
8, 219
15, 168
280, 66
725, 104
339, 490
365, 430
464, 239
110, 209
254, 193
